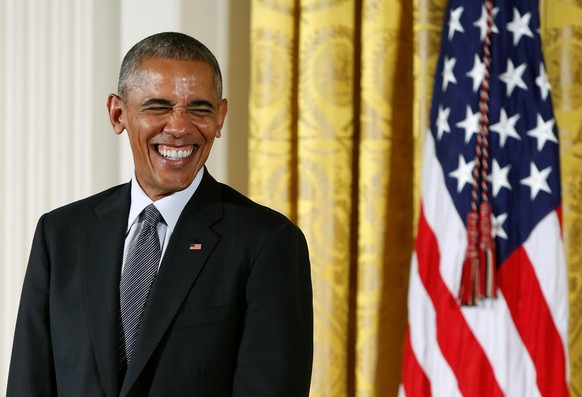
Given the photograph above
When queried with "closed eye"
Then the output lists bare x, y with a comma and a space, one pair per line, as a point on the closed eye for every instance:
200, 111
156, 106
158, 109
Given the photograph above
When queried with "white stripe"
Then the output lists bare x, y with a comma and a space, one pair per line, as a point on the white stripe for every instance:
545, 250
491, 323
443, 218
495, 331
401, 392
423, 338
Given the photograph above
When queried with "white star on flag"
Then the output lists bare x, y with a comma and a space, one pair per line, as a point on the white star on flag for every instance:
499, 177
463, 174
513, 77
537, 180
543, 82
470, 124
543, 132
497, 223
506, 127
481, 23
477, 73
442, 122
448, 75
519, 26
455, 23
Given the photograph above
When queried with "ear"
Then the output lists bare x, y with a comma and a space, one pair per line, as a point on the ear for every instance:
222, 110
116, 111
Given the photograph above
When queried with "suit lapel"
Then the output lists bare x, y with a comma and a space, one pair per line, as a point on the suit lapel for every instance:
188, 250
104, 242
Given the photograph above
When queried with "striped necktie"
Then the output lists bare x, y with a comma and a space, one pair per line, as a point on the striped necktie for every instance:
141, 267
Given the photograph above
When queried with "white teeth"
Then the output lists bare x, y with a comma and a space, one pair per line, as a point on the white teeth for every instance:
175, 154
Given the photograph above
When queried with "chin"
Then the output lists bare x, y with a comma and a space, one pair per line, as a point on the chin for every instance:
177, 185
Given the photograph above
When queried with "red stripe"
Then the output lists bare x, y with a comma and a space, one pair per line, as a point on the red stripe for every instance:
533, 320
458, 344
559, 214
414, 380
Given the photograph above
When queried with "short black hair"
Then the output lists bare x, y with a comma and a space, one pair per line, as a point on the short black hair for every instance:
167, 45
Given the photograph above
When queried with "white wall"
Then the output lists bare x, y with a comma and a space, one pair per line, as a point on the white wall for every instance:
59, 60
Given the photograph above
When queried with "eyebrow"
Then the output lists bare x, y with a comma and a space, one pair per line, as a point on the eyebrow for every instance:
201, 102
157, 101
166, 102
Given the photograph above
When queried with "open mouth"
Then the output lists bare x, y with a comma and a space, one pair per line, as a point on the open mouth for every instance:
173, 153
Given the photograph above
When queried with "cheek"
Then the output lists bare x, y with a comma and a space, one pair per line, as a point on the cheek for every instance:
139, 142
200, 123
151, 125
207, 127
142, 131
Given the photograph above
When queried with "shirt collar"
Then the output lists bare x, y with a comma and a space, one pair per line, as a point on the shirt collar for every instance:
170, 206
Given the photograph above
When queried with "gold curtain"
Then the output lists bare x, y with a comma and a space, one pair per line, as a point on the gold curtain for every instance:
562, 42
339, 102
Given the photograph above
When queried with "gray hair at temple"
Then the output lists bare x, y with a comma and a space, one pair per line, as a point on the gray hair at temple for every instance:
167, 45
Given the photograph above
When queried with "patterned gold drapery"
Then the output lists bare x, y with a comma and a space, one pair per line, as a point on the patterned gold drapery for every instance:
562, 41
340, 94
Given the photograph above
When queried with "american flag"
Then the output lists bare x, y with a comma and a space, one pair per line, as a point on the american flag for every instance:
513, 344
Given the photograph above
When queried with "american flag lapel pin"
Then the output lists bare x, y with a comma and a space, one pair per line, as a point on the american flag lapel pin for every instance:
195, 247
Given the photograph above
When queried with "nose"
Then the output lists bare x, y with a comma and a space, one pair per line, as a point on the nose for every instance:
179, 122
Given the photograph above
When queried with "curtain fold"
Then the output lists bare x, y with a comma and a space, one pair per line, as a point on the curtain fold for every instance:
385, 194
562, 44
339, 103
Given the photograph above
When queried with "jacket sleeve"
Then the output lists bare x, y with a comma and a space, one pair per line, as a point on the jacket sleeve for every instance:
31, 370
276, 348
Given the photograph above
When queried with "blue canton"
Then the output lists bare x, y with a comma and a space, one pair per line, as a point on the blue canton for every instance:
524, 183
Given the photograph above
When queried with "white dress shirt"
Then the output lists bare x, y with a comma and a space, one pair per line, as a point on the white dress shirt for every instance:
170, 207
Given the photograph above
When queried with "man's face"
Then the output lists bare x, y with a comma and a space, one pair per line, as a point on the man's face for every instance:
172, 114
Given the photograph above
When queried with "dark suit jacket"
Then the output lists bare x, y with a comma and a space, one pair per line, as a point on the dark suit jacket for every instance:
234, 318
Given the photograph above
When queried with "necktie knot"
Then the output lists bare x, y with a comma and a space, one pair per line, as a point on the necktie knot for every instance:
151, 216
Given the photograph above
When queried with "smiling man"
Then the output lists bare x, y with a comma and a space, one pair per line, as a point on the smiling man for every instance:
172, 284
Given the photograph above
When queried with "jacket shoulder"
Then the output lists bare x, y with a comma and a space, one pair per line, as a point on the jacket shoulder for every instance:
91, 203
237, 204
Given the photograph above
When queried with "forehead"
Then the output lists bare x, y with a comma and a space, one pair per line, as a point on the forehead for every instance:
159, 76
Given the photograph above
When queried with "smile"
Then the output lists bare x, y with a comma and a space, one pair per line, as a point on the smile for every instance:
175, 153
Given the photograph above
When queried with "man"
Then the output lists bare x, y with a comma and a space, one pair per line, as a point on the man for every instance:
226, 308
